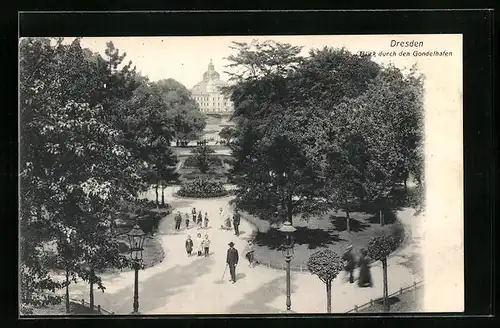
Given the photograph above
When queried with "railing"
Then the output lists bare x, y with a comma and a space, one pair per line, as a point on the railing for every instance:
414, 286
98, 308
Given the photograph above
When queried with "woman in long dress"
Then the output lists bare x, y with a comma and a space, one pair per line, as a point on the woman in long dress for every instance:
221, 217
365, 276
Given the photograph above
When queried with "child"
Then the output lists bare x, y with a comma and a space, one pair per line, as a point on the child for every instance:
206, 245
199, 244
200, 219
249, 254
186, 219
228, 223
189, 245
193, 213
205, 221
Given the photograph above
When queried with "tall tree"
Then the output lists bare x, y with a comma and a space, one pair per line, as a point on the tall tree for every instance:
188, 120
74, 159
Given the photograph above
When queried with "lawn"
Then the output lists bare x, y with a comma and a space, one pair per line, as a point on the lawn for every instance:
409, 301
328, 231
153, 252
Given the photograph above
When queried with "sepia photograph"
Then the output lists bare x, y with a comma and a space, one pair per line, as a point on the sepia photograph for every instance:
235, 175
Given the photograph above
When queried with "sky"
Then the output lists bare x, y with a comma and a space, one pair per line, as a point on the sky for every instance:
186, 58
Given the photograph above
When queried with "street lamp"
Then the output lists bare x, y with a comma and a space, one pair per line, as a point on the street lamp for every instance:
287, 250
136, 241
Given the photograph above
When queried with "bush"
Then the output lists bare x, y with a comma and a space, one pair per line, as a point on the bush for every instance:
202, 188
214, 162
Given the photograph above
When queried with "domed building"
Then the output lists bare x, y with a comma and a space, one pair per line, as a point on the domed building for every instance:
208, 92
213, 103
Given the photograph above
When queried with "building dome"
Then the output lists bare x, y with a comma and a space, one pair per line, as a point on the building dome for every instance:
208, 93
211, 82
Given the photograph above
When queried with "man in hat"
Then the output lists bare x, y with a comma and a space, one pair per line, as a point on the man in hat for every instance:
232, 260
236, 222
349, 262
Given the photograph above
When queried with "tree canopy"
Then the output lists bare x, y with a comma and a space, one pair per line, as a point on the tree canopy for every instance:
90, 126
330, 130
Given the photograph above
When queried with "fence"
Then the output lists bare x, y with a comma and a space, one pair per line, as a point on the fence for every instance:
414, 286
98, 308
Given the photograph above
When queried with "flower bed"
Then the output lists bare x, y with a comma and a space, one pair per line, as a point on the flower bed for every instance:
202, 188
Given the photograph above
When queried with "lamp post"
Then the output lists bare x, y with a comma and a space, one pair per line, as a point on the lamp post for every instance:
288, 229
136, 240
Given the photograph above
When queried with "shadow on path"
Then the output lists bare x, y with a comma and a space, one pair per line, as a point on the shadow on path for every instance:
156, 290
256, 301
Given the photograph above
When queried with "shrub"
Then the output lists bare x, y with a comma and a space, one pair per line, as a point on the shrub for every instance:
214, 162
202, 188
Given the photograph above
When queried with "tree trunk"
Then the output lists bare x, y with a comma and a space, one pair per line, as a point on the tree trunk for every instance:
156, 191
67, 291
163, 195
386, 293
348, 220
381, 217
91, 297
329, 297
406, 186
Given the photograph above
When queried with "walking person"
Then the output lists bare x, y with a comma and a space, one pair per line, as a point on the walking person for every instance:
199, 244
236, 222
206, 245
178, 220
193, 213
249, 254
221, 217
365, 276
189, 245
205, 221
349, 263
232, 261
186, 219
200, 219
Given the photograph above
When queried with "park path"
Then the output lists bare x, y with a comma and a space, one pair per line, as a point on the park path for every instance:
192, 285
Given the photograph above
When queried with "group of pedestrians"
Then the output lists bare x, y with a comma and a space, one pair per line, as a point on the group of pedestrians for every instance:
196, 219
232, 258
200, 245
350, 264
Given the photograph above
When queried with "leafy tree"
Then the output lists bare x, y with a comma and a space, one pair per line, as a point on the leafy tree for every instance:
202, 158
379, 248
389, 121
334, 75
227, 134
326, 264
74, 156
183, 110
275, 142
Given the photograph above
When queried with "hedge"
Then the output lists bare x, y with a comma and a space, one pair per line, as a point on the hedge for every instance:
202, 187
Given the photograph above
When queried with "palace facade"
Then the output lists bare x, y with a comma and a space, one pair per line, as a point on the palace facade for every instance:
208, 94
213, 103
